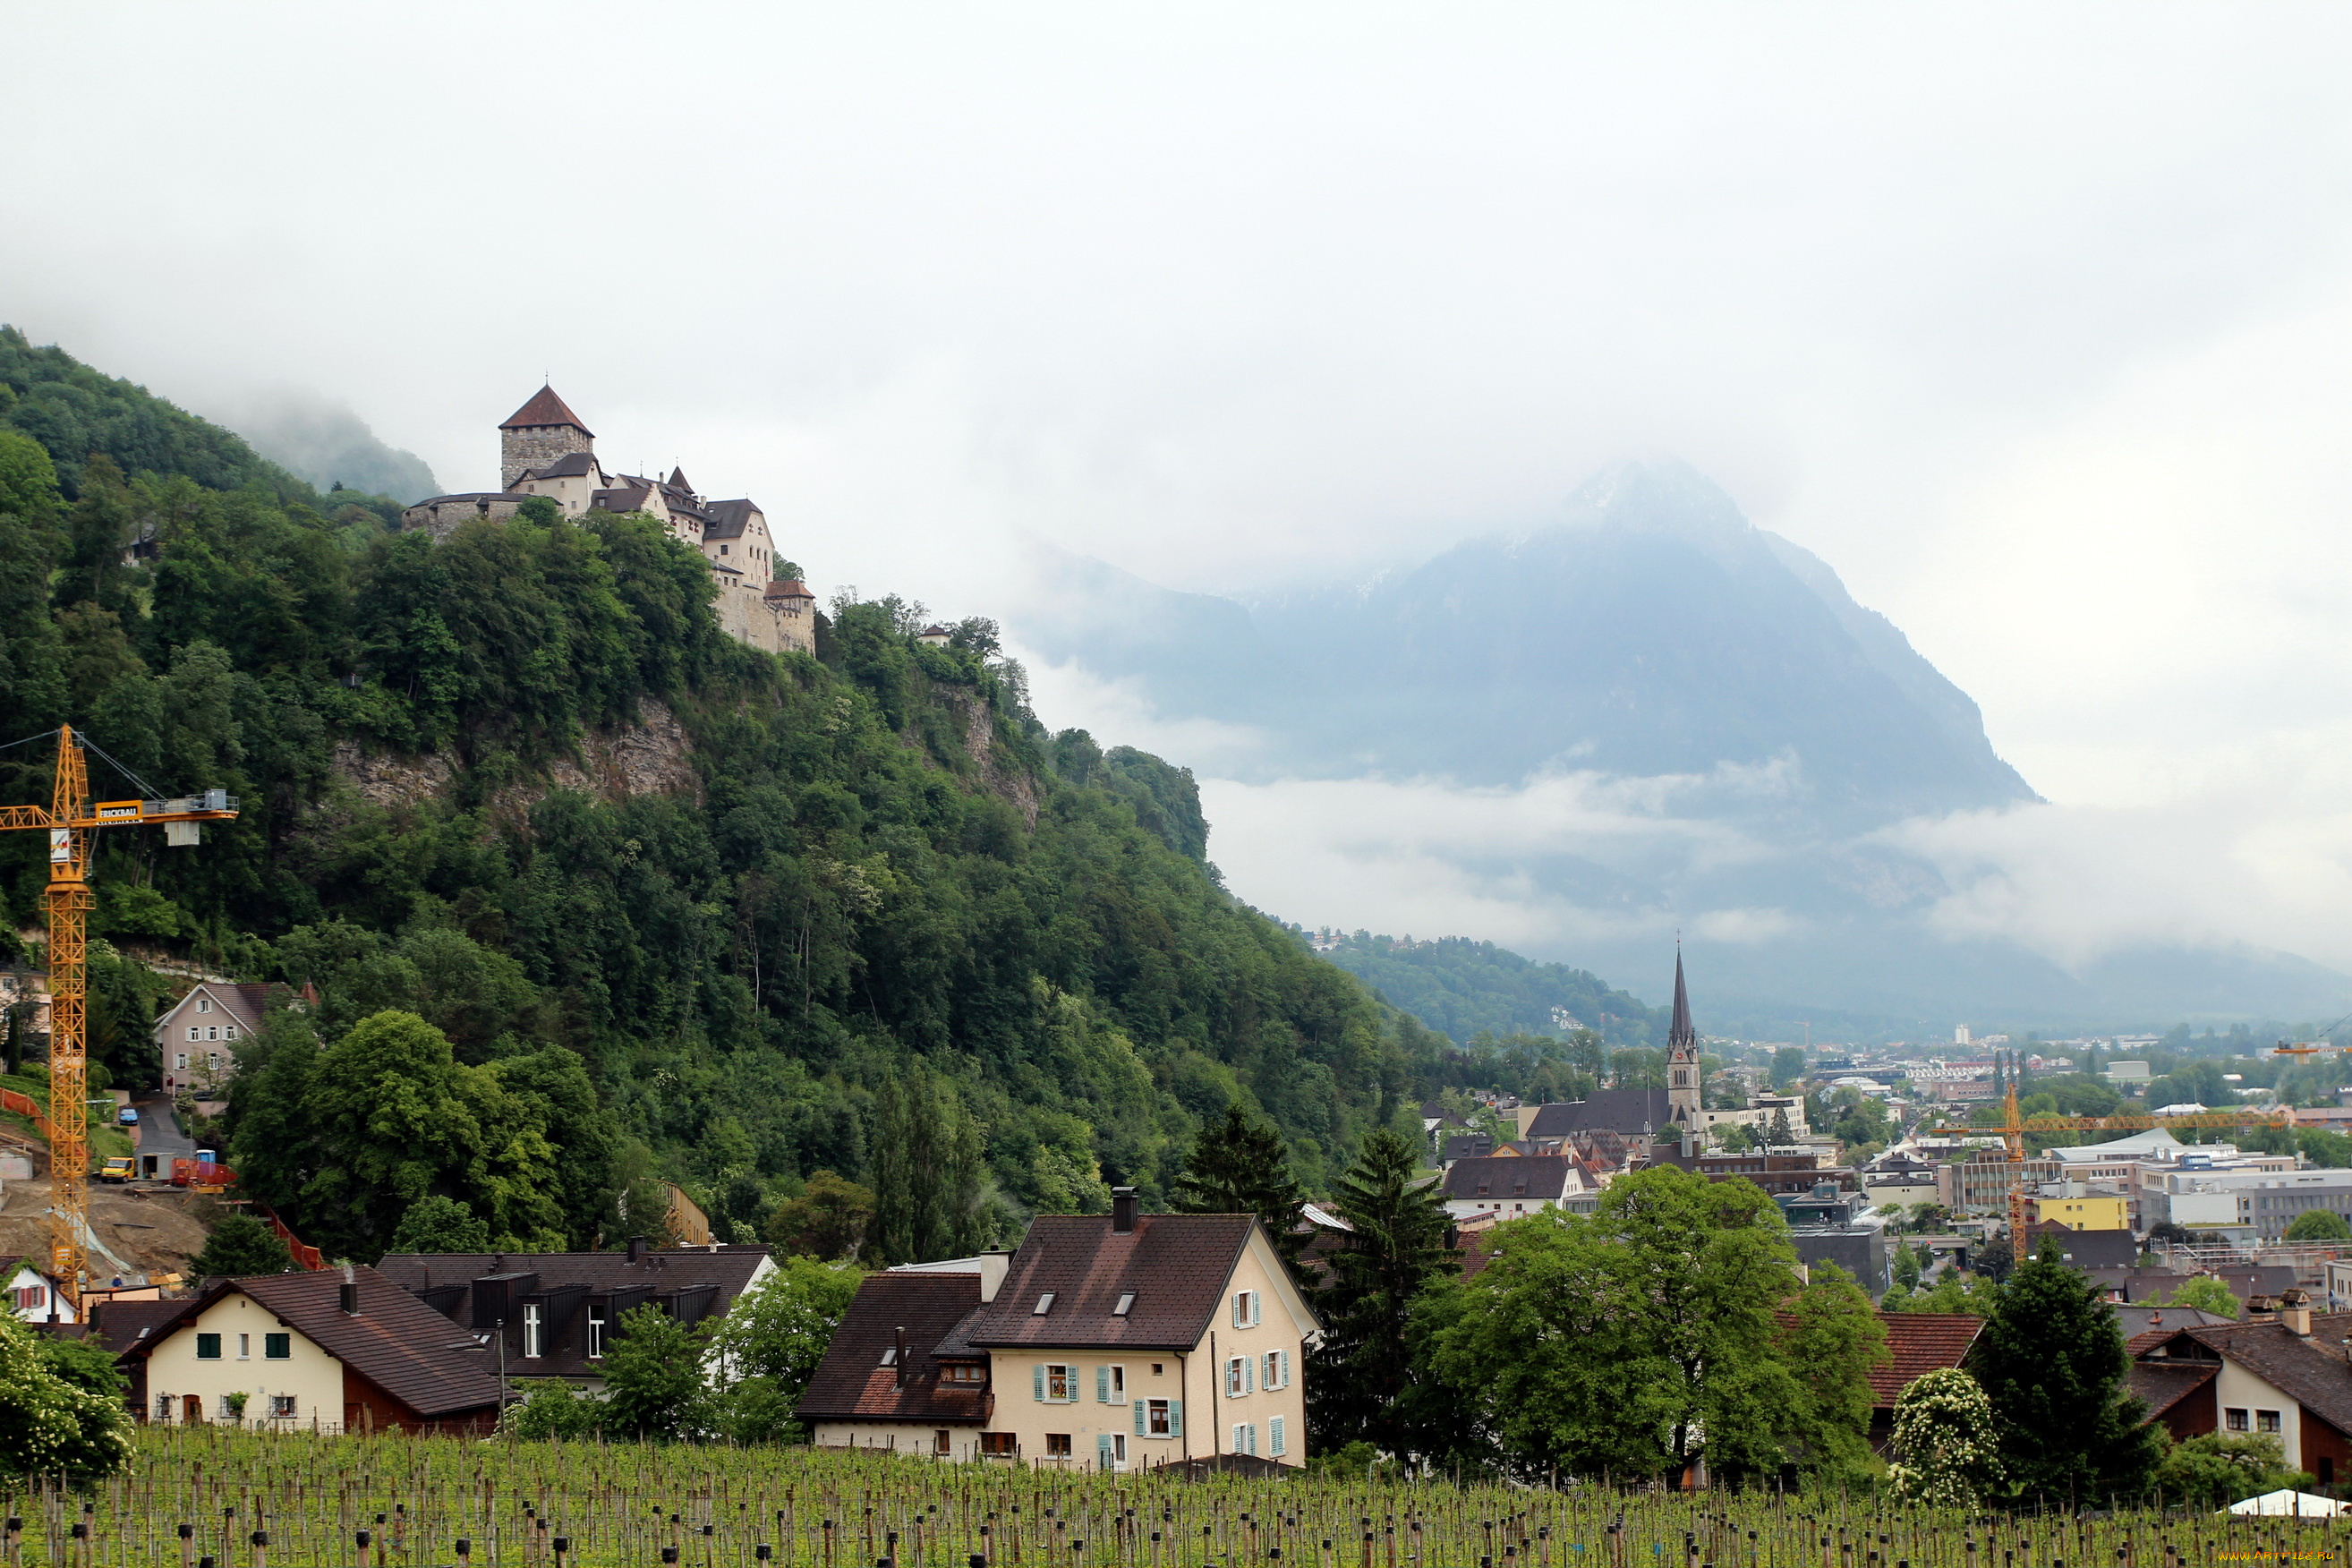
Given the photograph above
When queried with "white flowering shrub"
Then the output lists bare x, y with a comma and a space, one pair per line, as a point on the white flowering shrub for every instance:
49, 1425
1945, 1452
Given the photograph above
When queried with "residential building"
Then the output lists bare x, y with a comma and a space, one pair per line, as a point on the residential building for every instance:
32, 1293
196, 1036
1981, 1183
1513, 1185
2283, 1373
560, 1313
334, 1349
1784, 1173
896, 1376
2082, 1210
1115, 1342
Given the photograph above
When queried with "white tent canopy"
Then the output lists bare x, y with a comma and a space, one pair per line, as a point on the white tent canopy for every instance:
2308, 1505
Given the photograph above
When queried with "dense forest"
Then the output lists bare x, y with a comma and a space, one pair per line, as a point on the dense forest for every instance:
592, 895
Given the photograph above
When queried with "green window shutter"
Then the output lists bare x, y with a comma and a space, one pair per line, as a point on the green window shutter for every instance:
1257, 1309
1102, 1451
1249, 1375
1102, 1385
1275, 1447
1175, 1418
1286, 1369
1037, 1379
1138, 1419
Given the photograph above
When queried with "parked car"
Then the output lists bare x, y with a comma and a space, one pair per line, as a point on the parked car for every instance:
117, 1168
127, 1116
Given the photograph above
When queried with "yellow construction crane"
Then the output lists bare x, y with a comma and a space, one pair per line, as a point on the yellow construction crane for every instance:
2013, 1131
70, 819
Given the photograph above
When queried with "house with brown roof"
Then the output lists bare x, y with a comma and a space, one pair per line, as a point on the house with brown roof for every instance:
2284, 1373
1511, 1185
196, 1036
559, 1313
1114, 1341
33, 1296
331, 1351
1917, 1343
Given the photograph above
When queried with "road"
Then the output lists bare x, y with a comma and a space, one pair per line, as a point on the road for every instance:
160, 1138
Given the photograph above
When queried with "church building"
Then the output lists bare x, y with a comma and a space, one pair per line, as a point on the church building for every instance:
545, 449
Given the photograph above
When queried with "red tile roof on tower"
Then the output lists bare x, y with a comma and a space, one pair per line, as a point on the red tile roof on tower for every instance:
546, 408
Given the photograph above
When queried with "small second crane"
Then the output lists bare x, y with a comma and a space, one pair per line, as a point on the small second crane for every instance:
71, 820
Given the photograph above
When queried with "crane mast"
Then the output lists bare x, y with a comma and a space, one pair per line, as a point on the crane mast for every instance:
72, 822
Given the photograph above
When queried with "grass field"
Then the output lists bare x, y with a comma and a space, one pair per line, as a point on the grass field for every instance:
442, 1500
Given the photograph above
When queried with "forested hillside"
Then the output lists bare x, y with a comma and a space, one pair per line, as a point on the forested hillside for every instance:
1463, 988
593, 895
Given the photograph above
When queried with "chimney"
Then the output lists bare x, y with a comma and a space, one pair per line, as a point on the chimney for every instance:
347, 1294
636, 1249
1123, 1211
899, 1362
2295, 1312
2261, 1309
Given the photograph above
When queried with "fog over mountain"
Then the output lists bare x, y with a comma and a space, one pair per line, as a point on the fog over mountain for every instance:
1647, 717
325, 443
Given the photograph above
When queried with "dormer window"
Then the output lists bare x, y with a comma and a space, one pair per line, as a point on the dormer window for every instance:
1126, 1304
1044, 1305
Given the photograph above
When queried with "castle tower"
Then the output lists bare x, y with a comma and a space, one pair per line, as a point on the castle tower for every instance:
539, 432
1683, 1085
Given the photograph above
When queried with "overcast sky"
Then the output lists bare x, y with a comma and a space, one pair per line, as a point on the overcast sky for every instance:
2033, 322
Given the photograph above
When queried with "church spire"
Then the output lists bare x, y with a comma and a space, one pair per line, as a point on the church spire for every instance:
1684, 1094
1681, 1036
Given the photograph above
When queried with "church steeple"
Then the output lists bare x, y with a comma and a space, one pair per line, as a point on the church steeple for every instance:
1683, 1096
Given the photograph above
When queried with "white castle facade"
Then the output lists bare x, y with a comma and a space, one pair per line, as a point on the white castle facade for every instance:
545, 449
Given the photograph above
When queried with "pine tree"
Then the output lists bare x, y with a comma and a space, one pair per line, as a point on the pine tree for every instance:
2052, 1363
1781, 1135
1240, 1167
1367, 1383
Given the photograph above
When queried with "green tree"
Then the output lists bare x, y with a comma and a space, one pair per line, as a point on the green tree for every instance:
1637, 1338
1239, 1166
51, 1420
654, 1377
238, 1248
1787, 1066
437, 1224
2217, 1469
771, 1340
829, 1220
550, 1407
2319, 1224
1367, 1381
2206, 1293
1907, 1268
2052, 1362
1947, 1447
1831, 1340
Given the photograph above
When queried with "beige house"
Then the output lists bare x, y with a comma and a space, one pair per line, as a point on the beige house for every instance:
337, 1350
1114, 1341
196, 1036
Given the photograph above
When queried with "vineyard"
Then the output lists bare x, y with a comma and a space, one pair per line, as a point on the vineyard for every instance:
235, 1498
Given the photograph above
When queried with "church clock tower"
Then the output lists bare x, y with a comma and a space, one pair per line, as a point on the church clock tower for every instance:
1684, 1097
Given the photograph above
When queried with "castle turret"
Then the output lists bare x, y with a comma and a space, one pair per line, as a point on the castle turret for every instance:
541, 432
1684, 1091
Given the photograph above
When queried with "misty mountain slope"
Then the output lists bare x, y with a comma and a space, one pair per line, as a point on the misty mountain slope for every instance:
329, 445
1650, 630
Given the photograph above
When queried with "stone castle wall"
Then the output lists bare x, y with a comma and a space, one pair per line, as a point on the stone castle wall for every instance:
535, 447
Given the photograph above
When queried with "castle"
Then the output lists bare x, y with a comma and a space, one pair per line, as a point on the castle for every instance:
544, 450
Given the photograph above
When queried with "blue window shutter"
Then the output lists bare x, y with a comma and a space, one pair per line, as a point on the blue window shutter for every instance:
1102, 1451
1037, 1379
1257, 1309
1175, 1418
1286, 1369
1276, 1434
1249, 1375
1138, 1419
1102, 1385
